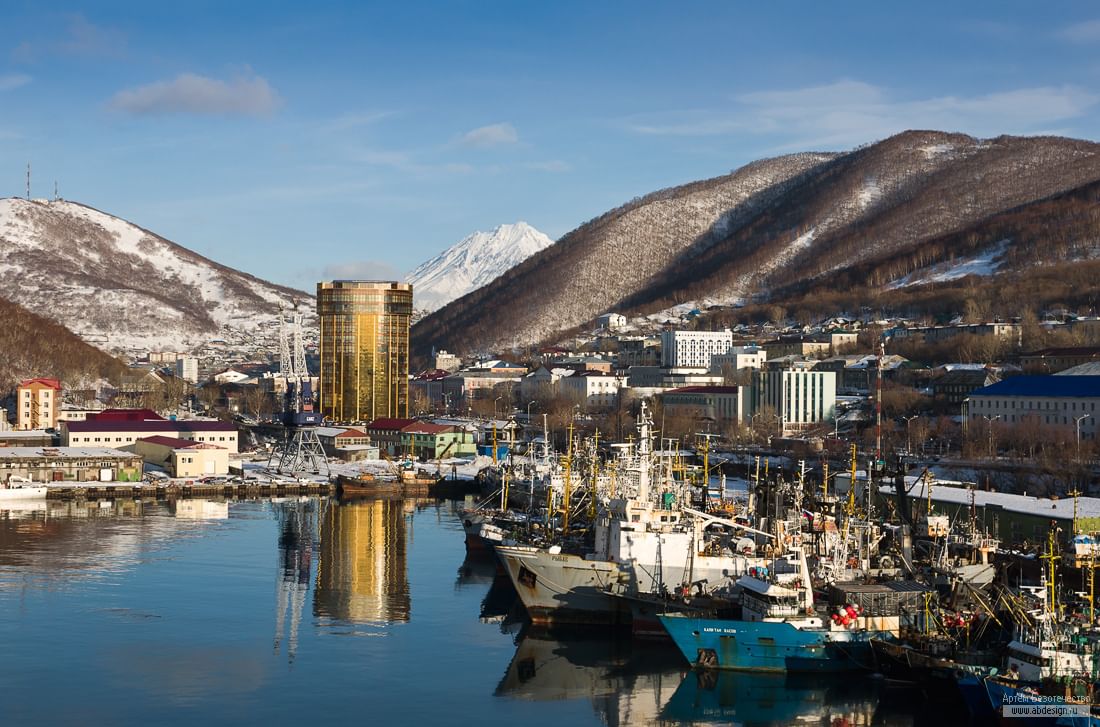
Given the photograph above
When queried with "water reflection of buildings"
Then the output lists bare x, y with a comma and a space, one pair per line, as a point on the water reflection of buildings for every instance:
297, 540
362, 574
62, 541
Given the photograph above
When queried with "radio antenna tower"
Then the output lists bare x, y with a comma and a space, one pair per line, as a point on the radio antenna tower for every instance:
301, 450
28, 180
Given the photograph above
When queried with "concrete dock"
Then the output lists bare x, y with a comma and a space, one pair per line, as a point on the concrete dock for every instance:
167, 491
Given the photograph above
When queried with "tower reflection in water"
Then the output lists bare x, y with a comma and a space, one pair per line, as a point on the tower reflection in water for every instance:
362, 573
297, 521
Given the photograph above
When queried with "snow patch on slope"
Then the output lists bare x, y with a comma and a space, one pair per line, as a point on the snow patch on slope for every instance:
987, 263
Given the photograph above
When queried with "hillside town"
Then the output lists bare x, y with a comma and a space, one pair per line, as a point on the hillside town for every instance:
965, 398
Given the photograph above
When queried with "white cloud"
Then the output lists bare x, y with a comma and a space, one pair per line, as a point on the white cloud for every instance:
188, 93
1084, 32
491, 135
13, 80
850, 112
360, 270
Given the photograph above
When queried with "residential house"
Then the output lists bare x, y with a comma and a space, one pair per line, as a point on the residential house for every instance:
954, 386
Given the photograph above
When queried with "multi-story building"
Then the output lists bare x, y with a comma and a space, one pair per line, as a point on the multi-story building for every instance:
955, 385
447, 361
800, 397
739, 357
1062, 401
721, 404
187, 368
123, 427
1055, 360
693, 349
592, 389
37, 403
364, 349
611, 321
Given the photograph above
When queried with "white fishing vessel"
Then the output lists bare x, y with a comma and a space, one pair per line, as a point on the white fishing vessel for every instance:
646, 541
20, 488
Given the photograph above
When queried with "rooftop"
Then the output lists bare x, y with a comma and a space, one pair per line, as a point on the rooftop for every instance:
62, 453
1061, 509
164, 425
703, 390
175, 443
1053, 386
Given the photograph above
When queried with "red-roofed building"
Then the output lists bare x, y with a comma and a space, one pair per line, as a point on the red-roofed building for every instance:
425, 440
183, 457
386, 433
721, 404
37, 402
119, 433
126, 415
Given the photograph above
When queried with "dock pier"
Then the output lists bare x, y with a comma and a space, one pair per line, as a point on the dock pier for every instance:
147, 490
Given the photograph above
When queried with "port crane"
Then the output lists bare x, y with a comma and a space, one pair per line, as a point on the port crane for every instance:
301, 449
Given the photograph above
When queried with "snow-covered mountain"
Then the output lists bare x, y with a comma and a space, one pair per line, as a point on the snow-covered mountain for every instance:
125, 289
904, 211
474, 261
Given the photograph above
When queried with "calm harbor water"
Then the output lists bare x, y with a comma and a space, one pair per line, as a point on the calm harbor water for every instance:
307, 611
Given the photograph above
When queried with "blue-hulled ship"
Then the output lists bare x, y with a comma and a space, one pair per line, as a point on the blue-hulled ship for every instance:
780, 631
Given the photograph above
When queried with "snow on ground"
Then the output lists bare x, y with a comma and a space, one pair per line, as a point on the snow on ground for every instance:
934, 150
984, 264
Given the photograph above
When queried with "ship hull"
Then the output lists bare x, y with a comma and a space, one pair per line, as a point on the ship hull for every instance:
766, 646
562, 589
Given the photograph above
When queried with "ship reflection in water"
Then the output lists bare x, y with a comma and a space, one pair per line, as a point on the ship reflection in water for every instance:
646, 683
627, 683
773, 699
362, 571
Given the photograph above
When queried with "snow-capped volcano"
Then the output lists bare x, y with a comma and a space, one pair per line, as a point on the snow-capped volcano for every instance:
472, 262
125, 289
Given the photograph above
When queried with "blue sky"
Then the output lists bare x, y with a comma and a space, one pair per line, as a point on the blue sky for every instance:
305, 141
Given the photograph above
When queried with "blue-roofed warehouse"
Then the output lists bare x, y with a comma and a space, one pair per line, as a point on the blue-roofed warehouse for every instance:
1069, 401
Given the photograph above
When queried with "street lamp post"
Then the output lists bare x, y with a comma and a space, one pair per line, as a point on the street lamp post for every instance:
1077, 422
752, 425
989, 423
529, 405
908, 438
495, 405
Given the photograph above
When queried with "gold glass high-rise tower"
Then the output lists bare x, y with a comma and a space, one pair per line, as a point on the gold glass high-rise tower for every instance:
364, 349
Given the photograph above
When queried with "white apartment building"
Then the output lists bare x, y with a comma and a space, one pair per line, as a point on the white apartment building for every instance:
693, 349
611, 321
187, 368
739, 357
592, 389
801, 398
447, 361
